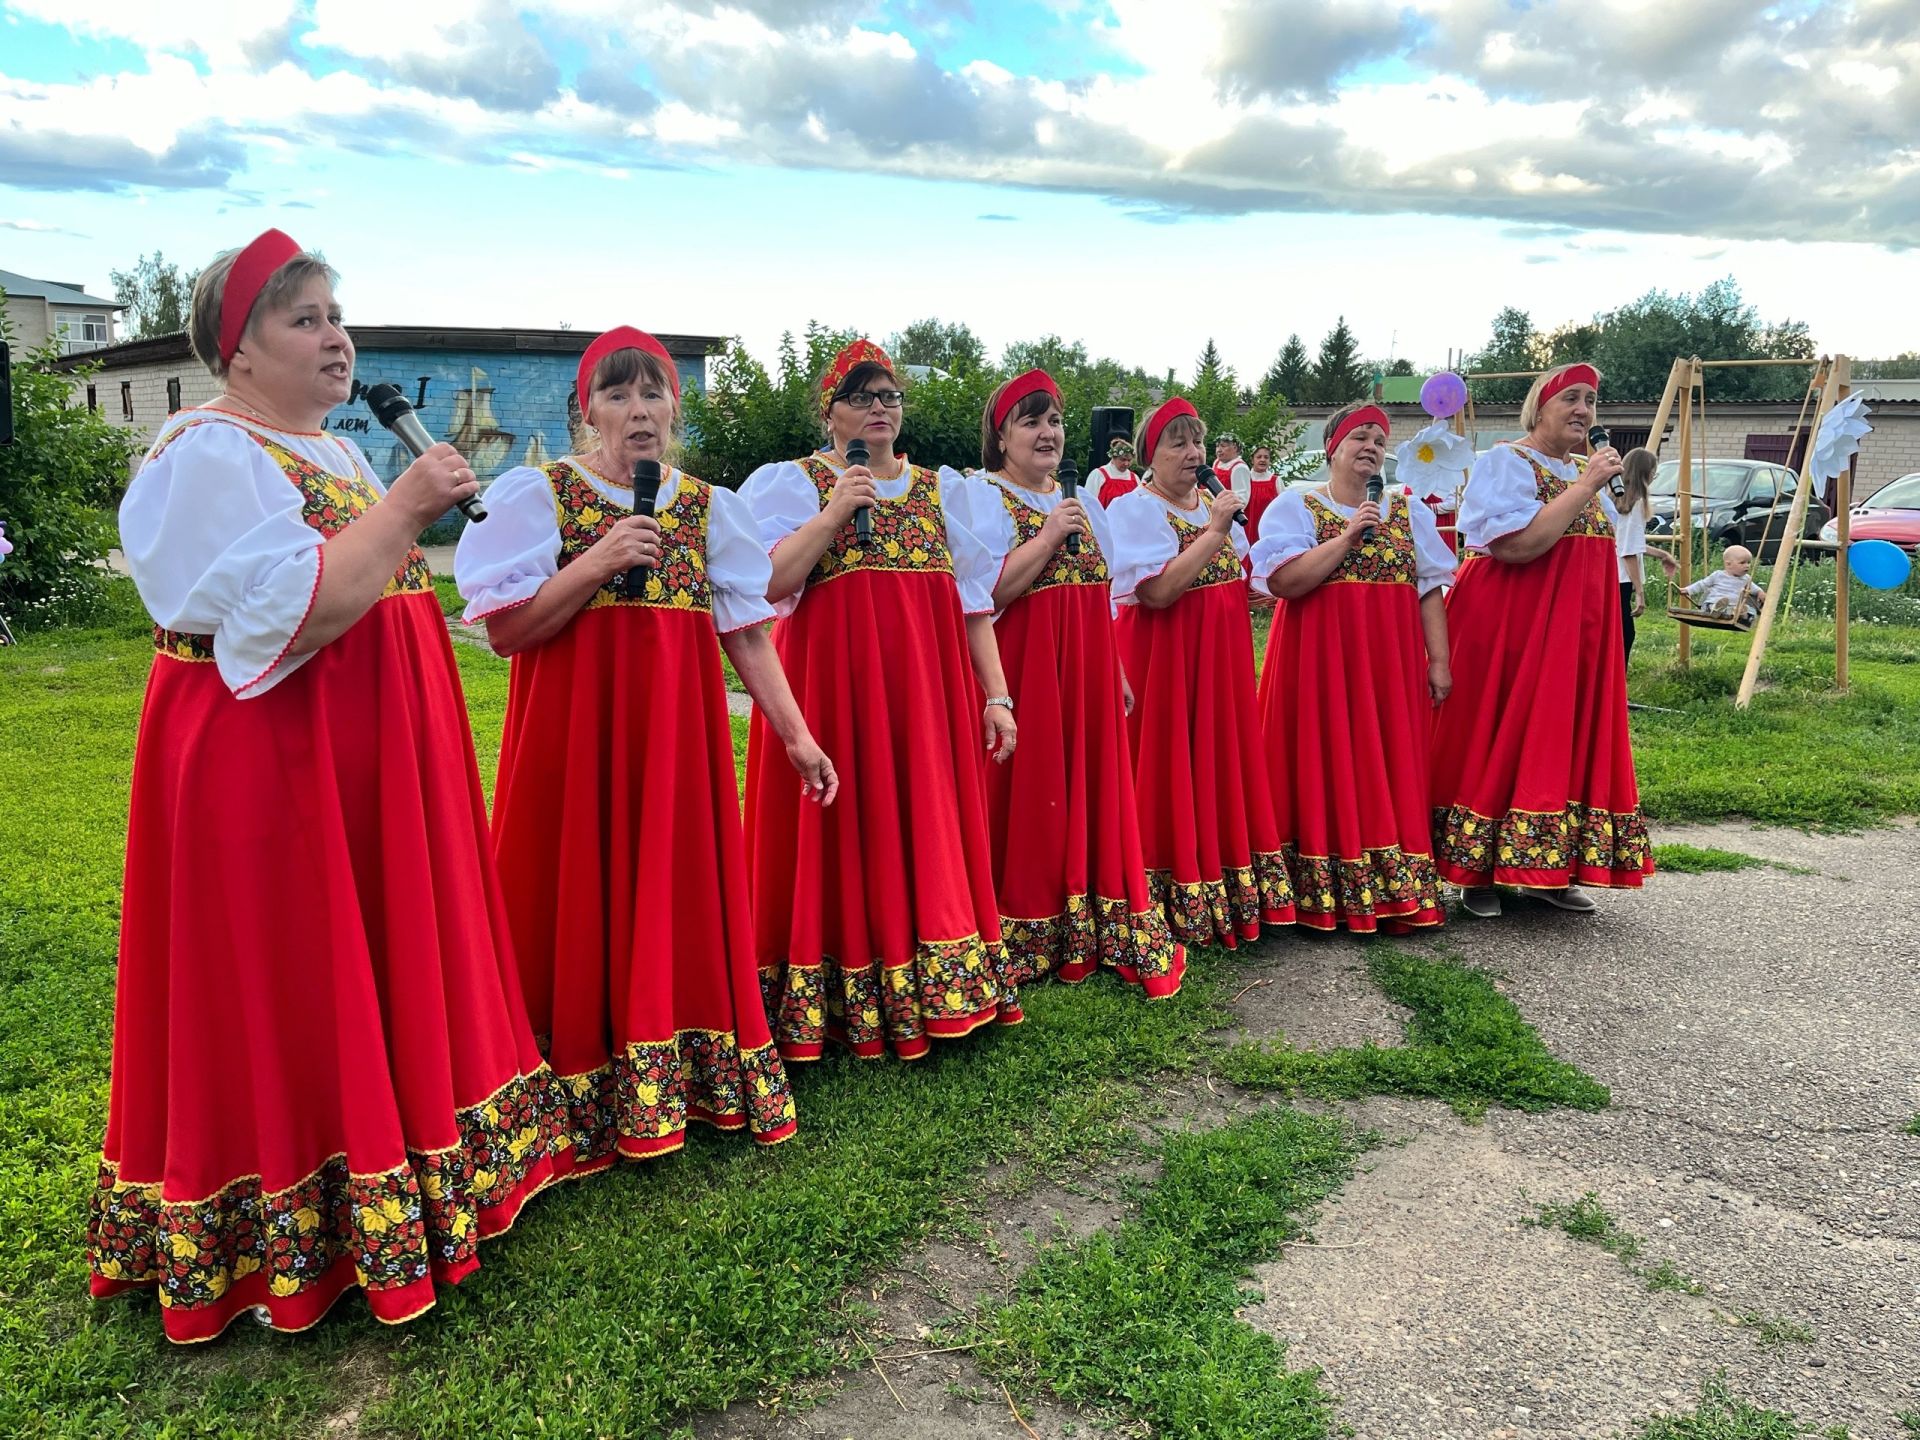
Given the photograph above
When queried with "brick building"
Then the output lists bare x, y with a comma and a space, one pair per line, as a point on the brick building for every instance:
40, 310
504, 397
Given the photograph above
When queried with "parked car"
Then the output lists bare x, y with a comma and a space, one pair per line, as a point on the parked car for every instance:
1318, 474
1737, 502
1890, 513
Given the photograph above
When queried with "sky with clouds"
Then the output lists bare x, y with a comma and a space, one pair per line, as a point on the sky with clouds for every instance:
1139, 174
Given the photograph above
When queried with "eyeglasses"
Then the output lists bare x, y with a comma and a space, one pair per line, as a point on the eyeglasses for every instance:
863, 399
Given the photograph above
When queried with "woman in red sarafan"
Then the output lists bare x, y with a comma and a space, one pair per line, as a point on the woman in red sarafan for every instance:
875, 919
1356, 662
323, 1075
1533, 783
617, 815
1066, 836
1186, 643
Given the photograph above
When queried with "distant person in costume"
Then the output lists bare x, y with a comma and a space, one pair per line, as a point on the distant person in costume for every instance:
1206, 807
1116, 477
875, 918
1229, 469
1263, 488
1357, 661
617, 813
323, 1075
1533, 783
1066, 838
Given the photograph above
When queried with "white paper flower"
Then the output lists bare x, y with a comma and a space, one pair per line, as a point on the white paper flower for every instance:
1839, 438
1433, 461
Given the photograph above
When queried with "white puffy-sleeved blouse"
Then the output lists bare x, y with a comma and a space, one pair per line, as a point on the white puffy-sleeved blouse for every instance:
1145, 542
1288, 530
1502, 494
213, 536
504, 562
976, 499
782, 497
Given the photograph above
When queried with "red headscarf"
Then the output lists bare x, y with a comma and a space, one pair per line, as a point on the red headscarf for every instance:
1566, 377
1018, 389
621, 337
1366, 415
266, 253
860, 352
1156, 422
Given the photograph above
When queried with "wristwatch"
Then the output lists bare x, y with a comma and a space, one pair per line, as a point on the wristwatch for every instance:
1002, 700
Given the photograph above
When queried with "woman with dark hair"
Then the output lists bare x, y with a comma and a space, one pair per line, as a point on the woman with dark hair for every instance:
1355, 665
875, 919
323, 1075
1066, 839
1186, 642
1533, 783
616, 817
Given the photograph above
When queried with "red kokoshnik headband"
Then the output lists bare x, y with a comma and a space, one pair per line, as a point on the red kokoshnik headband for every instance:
860, 352
1018, 389
255, 265
1366, 415
1171, 410
1568, 377
621, 337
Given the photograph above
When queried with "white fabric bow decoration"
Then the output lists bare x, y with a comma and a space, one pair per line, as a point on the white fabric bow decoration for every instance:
1839, 438
1433, 461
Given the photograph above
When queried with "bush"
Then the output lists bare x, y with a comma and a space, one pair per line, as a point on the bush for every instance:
58, 484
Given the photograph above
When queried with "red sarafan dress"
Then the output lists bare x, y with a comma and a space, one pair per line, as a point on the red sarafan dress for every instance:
323, 1075
1067, 863
1346, 712
875, 918
1109, 485
1200, 779
616, 817
1533, 781
1266, 489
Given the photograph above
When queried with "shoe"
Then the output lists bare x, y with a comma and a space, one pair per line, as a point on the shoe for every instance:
1483, 901
1572, 898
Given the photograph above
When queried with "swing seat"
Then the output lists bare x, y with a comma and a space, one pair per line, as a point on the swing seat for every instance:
1702, 620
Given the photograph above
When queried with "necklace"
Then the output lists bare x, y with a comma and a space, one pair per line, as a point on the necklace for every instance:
231, 406
1050, 485
1154, 486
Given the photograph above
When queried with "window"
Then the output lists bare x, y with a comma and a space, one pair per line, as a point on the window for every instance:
173, 395
94, 327
93, 399
1902, 494
126, 399
1762, 488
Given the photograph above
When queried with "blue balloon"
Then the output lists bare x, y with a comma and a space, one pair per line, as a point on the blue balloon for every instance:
1879, 564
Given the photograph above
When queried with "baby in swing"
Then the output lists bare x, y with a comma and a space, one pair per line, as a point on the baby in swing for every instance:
1727, 593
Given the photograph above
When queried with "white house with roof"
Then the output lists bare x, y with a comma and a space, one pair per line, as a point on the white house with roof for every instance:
57, 309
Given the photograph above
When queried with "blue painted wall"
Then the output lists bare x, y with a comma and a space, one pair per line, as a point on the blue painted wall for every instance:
500, 408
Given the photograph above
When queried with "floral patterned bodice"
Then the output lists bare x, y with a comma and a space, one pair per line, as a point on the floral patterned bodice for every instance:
908, 534
328, 502
1548, 487
1385, 558
679, 581
1089, 567
1222, 569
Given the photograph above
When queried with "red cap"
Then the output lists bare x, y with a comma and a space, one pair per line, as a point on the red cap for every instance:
621, 337
1018, 389
1365, 415
856, 354
1156, 422
1566, 377
266, 253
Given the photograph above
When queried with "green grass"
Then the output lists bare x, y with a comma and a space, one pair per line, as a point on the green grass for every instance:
1910, 1422
1719, 1415
1143, 1320
1665, 1276
1587, 1221
1776, 1331
1466, 1044
1912, 1127
1702, 860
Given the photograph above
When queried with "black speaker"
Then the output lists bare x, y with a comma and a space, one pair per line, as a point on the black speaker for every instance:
1109, 421
6, 394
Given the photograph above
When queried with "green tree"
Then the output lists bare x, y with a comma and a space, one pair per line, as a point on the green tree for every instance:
1339, 375
158, 296
1215, 392
58, 483
1291, 374
1402, 366
1515, 345
1904, 366
952, 348
1050, 353
1635, 346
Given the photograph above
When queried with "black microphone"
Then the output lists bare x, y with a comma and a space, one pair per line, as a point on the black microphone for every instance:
857, 454
1069, 477
1598, 439
1210, 483
1376, 488
391, 409
646, 489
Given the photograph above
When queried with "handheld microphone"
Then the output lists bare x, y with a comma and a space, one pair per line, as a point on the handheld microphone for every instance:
646, 490
1376, 488
1210, 483
1069, 477
391, 409
1597, 438
858, 454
